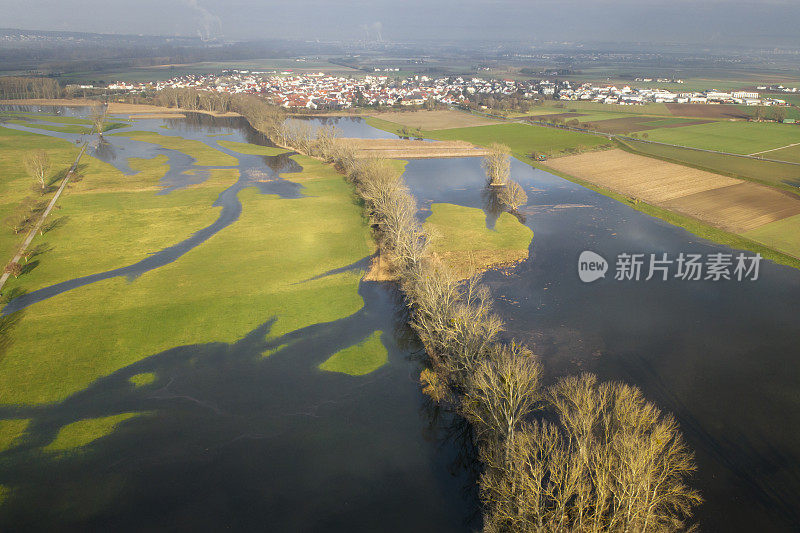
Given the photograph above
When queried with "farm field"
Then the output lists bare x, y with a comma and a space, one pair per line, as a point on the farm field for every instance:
727, 203
412, 149
434, 120
733, 137
782, 235
524, 139
769, 172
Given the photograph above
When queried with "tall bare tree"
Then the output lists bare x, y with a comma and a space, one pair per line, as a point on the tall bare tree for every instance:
37, 163
497, 164
98, 116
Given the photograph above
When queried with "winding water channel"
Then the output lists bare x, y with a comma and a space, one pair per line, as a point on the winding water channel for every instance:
273, 443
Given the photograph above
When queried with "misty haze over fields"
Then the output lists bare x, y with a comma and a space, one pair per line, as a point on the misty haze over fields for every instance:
714, 22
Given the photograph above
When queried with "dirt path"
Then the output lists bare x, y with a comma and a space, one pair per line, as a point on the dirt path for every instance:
773, 149
39, 224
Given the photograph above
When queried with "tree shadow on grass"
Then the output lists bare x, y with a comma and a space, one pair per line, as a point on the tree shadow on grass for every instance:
28, 266
54, 223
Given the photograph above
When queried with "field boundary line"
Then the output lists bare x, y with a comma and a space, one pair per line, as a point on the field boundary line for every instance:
773, 149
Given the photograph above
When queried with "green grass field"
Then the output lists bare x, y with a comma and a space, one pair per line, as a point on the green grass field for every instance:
252, 149
204, 154
462, 240
783, 235
524, 139
359, 359
112, 220
734, 137
142, 221
86, 431
181, 303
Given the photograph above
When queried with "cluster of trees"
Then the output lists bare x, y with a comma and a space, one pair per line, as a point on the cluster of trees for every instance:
497, 164
511, 102
15, 88
577, 456
776, 113
185, 98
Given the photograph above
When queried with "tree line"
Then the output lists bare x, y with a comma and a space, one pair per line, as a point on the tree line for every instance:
17, 87
579, 455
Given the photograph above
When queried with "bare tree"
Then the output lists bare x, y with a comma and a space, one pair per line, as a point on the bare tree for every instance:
513, 195
502, 391
13, 269
612, 462
98, 116
497, 164
37, 163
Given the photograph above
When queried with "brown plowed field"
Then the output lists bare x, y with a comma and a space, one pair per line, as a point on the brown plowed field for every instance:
629, 124
727, 203
706, 110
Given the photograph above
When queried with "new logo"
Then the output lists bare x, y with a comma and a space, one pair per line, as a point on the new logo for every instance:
591, 266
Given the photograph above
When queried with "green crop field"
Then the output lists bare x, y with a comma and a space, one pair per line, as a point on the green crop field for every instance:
523, 139
782, 235
733, 137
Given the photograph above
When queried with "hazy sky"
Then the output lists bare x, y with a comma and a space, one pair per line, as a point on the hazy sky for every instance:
696, 21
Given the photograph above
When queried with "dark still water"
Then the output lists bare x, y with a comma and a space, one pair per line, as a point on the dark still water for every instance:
722, 356
230, 439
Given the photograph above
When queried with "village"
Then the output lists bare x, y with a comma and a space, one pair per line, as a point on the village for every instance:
318, 91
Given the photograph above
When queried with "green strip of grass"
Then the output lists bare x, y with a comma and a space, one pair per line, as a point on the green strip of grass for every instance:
86, 431
522, 138
252, 149
365, 357
143, 379
204, 154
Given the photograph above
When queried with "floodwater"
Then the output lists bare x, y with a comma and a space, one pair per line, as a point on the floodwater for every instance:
722, 356
233, 440
274, 444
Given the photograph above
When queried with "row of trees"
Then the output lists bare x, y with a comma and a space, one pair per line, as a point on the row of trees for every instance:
577, 456
16, 87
